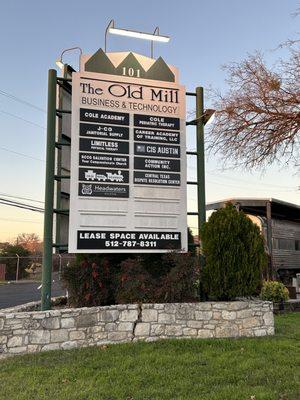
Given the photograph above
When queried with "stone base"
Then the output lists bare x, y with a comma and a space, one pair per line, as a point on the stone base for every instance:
34, 331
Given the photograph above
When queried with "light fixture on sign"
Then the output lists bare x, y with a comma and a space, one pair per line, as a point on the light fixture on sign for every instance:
139, 35
206, 118
155, 36
209, 116
60, 63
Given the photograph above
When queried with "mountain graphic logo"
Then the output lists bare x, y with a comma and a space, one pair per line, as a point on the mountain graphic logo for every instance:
100, 62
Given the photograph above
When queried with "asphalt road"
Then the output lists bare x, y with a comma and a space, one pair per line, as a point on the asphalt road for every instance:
13, 294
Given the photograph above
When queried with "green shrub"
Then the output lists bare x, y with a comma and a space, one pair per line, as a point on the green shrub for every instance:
274, 291
235, 255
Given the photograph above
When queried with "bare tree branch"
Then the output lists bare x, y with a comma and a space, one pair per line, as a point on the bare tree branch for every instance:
258, 119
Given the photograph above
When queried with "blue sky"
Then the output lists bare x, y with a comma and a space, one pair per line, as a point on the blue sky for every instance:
204, 36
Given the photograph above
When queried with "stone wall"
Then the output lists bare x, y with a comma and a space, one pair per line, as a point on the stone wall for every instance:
34, 331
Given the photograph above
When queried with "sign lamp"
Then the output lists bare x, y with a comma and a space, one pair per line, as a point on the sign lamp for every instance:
155, 36
207, 117
60, 63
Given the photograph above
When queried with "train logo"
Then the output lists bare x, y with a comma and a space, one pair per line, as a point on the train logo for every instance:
108, 176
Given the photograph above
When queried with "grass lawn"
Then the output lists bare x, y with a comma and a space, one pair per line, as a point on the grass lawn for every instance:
227, 369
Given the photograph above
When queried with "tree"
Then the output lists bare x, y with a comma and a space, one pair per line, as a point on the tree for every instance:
31, 242
235, 255
258, 119
10, 251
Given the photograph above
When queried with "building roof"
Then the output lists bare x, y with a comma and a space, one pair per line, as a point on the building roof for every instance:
255, 206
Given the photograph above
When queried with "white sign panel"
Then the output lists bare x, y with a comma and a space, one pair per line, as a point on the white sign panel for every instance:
128, 165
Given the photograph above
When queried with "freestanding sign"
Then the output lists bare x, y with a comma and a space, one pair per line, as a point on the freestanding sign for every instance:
128, 156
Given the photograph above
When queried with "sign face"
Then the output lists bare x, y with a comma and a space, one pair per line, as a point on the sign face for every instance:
157, 150
103, 160
156, 164
101, 116
152, 135
128, 240
103, 175
155, 178
103, 146
104, 131
100, 190
157, 122
128, 161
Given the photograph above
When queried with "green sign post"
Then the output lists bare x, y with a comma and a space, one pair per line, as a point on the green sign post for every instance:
49, 191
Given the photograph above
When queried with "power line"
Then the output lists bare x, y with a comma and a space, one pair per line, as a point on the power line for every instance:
291, 188
241, 180
21, 198
21, 154
20, 205
274, 190
11, 96
254, 183
22, 119
258, 189
23, 204
20, 220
